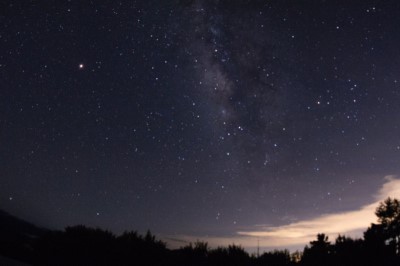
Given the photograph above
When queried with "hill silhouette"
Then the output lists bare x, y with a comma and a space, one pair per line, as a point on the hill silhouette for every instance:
18, 237
81, 245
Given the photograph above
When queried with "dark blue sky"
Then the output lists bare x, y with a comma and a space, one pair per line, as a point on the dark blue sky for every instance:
196, 118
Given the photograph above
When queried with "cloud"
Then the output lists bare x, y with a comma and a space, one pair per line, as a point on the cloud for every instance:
351, 223
298, 234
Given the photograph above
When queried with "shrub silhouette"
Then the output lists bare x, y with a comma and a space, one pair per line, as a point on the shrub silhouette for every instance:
233, 255
193, 254
78, 245
81, 245
276, 258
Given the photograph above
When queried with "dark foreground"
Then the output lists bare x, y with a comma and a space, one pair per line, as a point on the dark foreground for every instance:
22, 243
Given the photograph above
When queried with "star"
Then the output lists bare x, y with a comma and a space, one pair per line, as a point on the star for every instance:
197, 111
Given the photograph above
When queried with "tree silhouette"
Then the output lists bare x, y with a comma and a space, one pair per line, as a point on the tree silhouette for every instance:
276, 258
233, 255
196, 254
145, 250
81, 245
382, 239
388, 214
376, 250
347, 251
77, 245
318, 252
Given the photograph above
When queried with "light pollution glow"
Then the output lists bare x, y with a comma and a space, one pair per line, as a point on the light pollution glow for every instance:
297, 234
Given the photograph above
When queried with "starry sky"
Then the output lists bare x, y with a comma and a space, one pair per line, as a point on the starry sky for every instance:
196, 119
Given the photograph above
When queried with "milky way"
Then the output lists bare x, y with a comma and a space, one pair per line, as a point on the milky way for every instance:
196, 118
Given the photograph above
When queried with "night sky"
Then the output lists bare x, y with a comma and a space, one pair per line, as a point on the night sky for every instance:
197, 119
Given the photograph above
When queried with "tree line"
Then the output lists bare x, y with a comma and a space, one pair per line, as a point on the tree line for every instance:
81, 245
